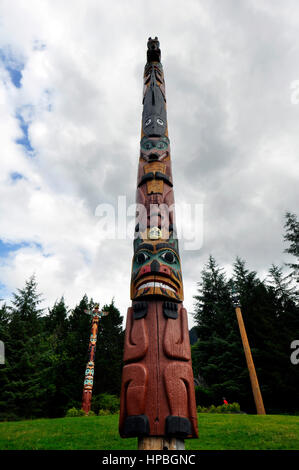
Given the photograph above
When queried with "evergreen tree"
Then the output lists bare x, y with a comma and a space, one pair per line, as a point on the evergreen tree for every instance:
25, 392
259, 321
56, 321
269, 315
285, 376
76, 347
4, 337
193, 335
4, 322
292, 236
56, 325
46, 355
271, 319
109, 352
281, 285
216, 356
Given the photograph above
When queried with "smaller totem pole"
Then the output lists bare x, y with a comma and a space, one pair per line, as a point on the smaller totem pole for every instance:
250, 364
89, 371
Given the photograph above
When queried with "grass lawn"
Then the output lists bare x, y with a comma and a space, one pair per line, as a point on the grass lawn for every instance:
216, 431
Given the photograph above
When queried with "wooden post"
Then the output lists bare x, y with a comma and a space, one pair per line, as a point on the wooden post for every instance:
160, 443
252, 373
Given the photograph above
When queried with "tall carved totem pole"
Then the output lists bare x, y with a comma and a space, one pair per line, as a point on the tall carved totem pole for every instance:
157, 394
89, 371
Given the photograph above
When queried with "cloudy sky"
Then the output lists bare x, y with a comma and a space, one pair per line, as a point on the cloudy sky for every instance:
70, 113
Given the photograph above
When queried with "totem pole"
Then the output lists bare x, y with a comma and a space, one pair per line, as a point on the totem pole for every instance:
157, 393
89, 371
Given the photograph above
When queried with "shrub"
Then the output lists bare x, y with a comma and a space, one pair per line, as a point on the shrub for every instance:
91, 413
105, 401
234, 408
230, 408
72, 413
202, 409
223, 408
104, 413
75, 413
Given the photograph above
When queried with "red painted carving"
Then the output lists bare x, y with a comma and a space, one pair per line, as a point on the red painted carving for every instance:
136, 338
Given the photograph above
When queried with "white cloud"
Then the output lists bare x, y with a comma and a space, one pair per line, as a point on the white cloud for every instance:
233, 130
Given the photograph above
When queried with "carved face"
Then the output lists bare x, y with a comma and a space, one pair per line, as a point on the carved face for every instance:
89, 369
154, 148
88, 383
89, 373
93, 338
156, 270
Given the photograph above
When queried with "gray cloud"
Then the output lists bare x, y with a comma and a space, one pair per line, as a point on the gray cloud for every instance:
233, 129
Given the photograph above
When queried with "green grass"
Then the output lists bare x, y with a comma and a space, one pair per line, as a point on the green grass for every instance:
216, 431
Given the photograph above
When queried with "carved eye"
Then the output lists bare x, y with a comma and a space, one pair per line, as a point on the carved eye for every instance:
161, 145
148, 145
147, 122
141, 258
169, 257
160, 122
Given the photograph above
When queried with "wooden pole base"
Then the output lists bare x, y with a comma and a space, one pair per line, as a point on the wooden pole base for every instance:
160, 443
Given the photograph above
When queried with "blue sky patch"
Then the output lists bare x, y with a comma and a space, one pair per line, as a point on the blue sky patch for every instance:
13, 66
16, 176
6, 248
5, 293
24, 140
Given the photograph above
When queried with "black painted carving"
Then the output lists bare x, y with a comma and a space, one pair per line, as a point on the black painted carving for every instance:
136, 426
140, 310
177, 426
170, 310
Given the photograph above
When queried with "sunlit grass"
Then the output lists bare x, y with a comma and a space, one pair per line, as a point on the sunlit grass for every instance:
216, 431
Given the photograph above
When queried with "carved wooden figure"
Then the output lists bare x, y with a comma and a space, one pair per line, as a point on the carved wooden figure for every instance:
157, 393
89, 371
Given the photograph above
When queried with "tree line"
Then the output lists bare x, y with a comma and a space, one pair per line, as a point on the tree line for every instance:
271, 315
46, 355
46, 351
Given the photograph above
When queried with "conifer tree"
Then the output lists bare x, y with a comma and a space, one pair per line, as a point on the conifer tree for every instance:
4, 337
109, 353
4, 322
257, 315
285, 376
76, 347
27, 361
292, 236
57, 326
281, 284
216, 356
